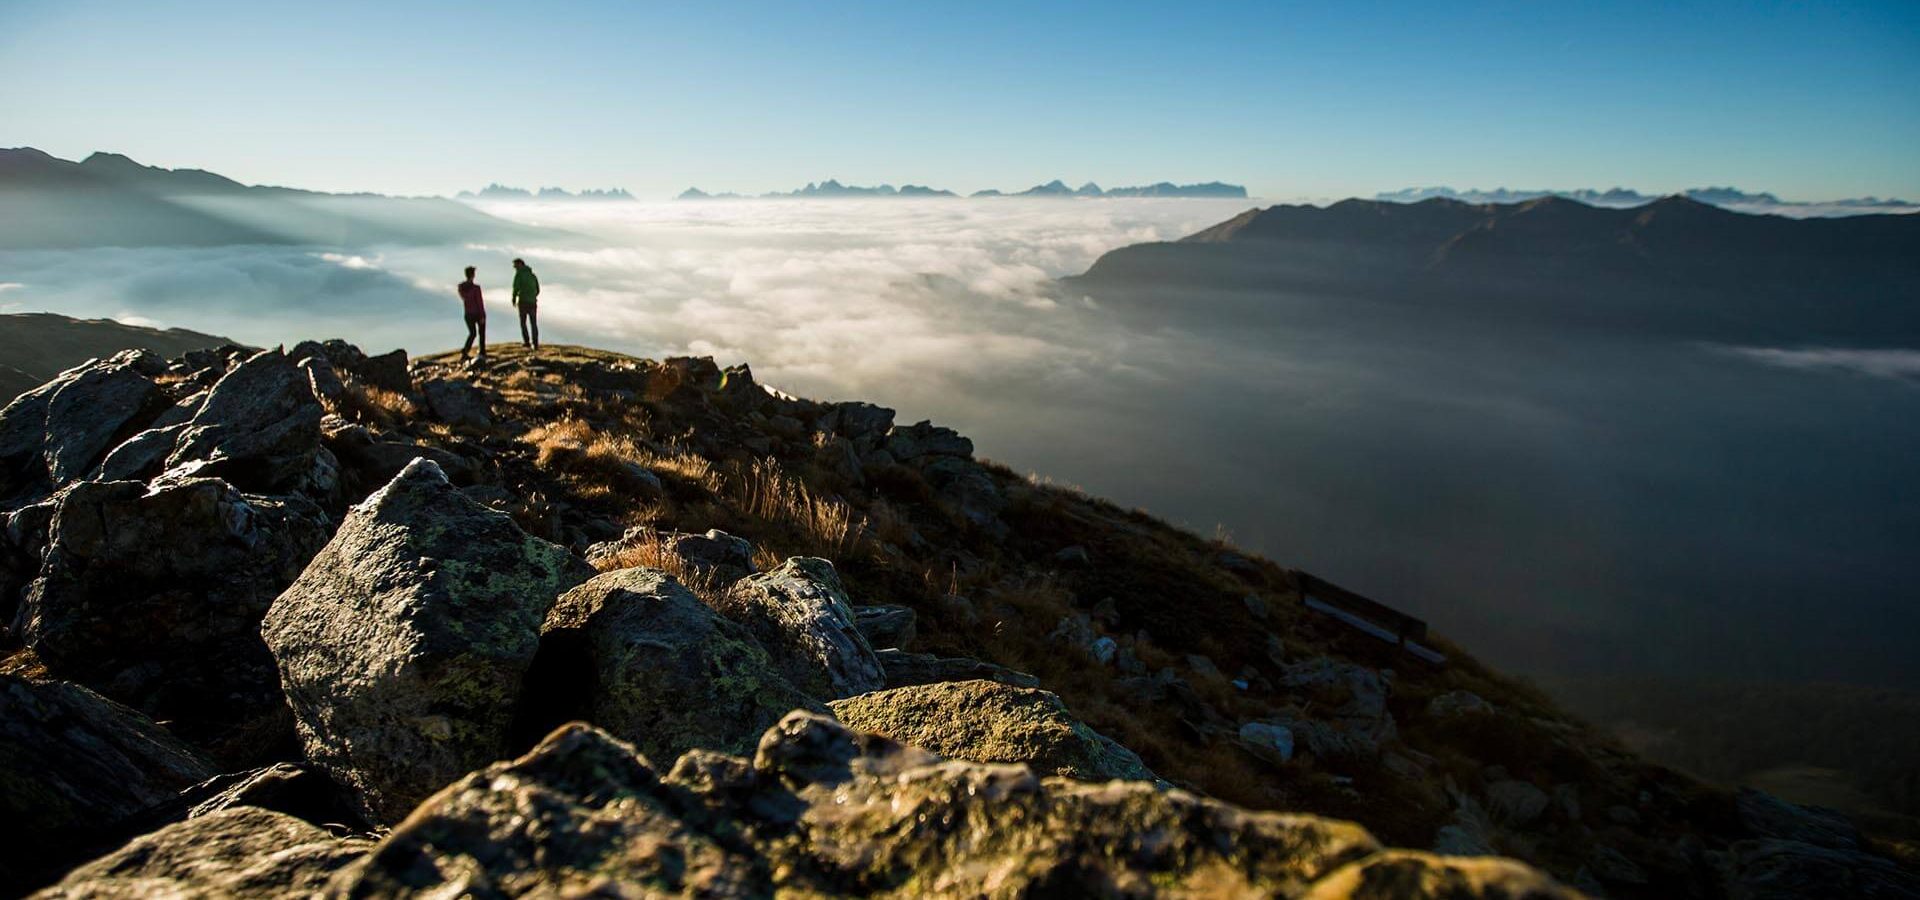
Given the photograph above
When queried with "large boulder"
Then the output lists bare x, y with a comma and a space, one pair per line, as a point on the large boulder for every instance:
1351, 721
821, 810
73, 766
154, 596
884, 625
238, 852
47, 438
801, 614
989, 722
259, 427
913, 443
100, 403
649, 662
402, 646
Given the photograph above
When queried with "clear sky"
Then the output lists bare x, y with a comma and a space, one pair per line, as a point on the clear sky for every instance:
1314, 100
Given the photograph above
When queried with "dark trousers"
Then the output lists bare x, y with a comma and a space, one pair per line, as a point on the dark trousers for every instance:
530, 324
476, 328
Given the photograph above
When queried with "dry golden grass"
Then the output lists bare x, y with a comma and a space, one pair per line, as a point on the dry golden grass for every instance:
370, 405
654, 552
826, 526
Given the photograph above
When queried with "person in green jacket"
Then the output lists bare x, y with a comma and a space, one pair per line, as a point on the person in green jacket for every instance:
526, 299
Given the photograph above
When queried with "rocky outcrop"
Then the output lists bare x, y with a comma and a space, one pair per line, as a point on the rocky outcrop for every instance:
823, 810
56, 432
1356, 723
402, 646
988, 722
154, 596
801, 614
240, 852
655, 666
259, 427
73, 767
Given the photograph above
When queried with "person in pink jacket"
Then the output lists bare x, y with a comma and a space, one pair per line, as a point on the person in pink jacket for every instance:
476, 317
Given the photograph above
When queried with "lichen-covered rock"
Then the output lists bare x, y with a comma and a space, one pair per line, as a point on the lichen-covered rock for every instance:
822, 810
402, 646
905, 669
988, 722
657, 667
238, 852
154, 596
801, 614
73, 765
260, 426
1395, 874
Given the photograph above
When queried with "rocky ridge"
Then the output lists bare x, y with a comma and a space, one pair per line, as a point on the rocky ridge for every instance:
355, 585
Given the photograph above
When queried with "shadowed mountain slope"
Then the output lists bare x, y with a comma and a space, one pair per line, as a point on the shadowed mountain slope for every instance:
1676, 266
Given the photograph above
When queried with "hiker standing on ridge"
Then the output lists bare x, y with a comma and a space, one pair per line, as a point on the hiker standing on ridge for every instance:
476, 317
526, 299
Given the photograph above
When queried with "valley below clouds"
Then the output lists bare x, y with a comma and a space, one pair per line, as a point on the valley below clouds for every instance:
1560, 503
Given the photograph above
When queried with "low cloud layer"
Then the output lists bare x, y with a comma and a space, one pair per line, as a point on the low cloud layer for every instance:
1893, 363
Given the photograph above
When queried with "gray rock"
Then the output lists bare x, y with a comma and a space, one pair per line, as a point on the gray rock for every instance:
141, 456
1453, 704
885, 626
259, 429
1075, 556
802, 818
912, 442
1273, 740
857, 420
154, 596
387, 371
904, 669
458, 403
1356, 723
324, 381
1516, 802
73, 766
239, 852
657, 667
402, 645
965, 487
801, 614
1256, 606
989, 722
723, 553
90, 410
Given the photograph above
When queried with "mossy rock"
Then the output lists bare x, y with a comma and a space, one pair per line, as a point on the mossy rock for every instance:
658, 667
403, 645
990, 722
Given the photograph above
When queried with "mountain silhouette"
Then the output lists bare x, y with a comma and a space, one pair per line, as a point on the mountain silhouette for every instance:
1676, 265
110, 200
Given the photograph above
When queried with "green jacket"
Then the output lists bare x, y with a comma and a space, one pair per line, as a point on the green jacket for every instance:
526, 286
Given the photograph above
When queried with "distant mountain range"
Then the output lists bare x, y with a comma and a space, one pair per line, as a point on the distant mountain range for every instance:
498, 191
1726, 197
1675, 265
108, 200
1055, 188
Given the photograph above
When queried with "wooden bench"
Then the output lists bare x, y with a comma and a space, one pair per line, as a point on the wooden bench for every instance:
1366, 614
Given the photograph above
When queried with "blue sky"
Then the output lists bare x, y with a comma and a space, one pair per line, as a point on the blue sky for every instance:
1312, 100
